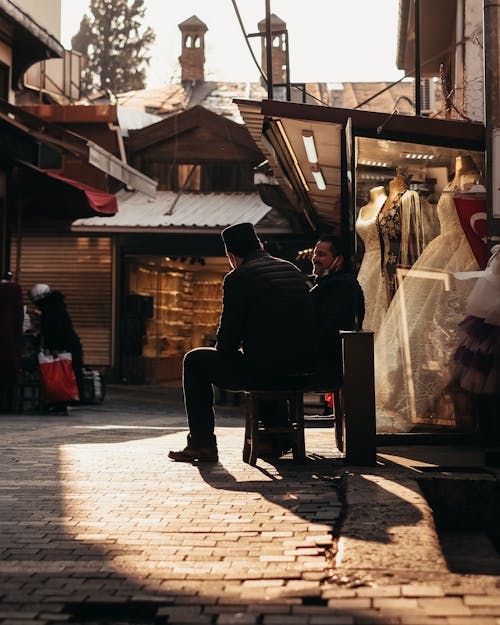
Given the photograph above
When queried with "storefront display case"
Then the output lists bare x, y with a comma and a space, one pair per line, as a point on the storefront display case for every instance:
415, 304
186, 295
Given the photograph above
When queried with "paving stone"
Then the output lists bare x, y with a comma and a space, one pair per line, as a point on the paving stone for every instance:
117, 523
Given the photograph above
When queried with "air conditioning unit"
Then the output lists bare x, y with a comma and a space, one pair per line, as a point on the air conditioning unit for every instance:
427, 96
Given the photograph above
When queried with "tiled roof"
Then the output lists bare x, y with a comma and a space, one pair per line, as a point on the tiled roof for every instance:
214, 96
173, 212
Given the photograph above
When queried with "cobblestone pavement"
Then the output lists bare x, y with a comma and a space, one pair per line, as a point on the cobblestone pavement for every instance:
99, 527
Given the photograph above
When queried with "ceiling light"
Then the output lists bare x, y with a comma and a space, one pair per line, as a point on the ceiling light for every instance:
418, 156
318, 178
308, 139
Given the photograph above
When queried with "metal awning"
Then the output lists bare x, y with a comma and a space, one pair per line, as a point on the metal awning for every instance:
173, 213
55, 136
278, 127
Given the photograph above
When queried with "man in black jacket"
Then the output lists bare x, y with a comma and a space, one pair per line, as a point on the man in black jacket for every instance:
338, 305
264, 339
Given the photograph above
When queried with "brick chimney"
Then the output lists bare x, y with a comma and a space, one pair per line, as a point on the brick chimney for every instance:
279, 49
192, 58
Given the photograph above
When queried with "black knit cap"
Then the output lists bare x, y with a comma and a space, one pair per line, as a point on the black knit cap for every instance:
241, 239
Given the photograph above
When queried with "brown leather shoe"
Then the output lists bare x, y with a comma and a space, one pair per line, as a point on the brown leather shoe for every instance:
195, 454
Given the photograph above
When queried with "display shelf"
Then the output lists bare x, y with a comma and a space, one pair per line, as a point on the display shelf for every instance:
186, 306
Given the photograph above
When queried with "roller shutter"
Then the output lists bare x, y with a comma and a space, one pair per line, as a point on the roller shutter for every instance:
81, 268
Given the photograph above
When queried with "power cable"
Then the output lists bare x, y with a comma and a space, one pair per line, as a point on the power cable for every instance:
235, 6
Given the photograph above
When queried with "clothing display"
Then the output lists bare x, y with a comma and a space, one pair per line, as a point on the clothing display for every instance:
370, 275
401, 230
477, 359
416, 341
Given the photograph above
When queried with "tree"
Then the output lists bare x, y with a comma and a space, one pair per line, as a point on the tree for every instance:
114, 44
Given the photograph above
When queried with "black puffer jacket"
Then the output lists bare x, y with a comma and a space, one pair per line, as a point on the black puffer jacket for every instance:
267, 311
338, 305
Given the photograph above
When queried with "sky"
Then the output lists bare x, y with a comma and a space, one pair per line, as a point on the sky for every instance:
329, 40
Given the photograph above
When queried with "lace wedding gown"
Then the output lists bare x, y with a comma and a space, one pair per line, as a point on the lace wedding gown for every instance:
370, 275
415, 344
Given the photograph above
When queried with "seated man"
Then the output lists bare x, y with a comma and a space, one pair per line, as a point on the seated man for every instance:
264, 339
338, 305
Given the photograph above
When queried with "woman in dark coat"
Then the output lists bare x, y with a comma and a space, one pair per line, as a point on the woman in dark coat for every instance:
57, 332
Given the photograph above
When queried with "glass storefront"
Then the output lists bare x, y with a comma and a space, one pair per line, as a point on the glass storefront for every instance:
420, 220
171, 305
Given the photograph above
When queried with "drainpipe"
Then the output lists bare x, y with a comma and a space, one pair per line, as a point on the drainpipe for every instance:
121, 145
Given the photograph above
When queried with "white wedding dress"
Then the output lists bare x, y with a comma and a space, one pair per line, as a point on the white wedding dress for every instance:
415, 344
370, 275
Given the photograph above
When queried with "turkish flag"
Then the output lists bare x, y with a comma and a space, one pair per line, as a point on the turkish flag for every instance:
473, 219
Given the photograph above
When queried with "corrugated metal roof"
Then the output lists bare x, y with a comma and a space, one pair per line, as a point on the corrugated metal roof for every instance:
202, 210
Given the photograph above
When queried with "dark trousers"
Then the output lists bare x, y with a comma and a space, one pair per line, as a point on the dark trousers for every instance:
205, 367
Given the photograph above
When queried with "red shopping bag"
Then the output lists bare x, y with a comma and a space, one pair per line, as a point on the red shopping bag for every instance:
57, 377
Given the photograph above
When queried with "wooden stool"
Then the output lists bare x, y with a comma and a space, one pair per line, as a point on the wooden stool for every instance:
255, 429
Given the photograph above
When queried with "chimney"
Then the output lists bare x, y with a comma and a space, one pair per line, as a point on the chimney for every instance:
192, 58
279, 49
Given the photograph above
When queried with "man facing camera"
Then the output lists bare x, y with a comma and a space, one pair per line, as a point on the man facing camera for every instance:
264, 339
338, 305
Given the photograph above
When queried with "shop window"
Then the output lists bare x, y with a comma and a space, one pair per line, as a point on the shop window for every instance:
420, 220
216, 177
220, 177
171, 305
189, 177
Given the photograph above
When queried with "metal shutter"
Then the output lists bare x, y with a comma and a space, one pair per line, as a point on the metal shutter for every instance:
81, 268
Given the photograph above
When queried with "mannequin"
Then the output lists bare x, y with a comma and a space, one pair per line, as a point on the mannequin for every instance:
466, 174
471, 207
415, 344
370, 273
401, 230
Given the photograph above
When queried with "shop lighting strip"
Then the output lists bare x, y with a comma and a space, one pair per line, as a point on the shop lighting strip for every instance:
282, 132
310, 146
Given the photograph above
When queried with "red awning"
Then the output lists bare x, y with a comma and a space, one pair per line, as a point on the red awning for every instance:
42, 194
102, 203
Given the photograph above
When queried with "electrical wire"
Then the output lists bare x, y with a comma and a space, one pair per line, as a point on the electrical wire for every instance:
261, 72
236, 10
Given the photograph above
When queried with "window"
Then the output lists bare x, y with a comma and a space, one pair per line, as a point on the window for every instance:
215, 177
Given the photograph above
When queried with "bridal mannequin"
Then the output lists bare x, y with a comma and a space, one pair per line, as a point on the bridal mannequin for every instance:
370, 273
400, 224
415, 344
466, 174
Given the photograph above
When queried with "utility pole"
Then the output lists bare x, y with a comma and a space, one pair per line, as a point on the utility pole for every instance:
269, 51
418, 108
488, 419
492, 112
